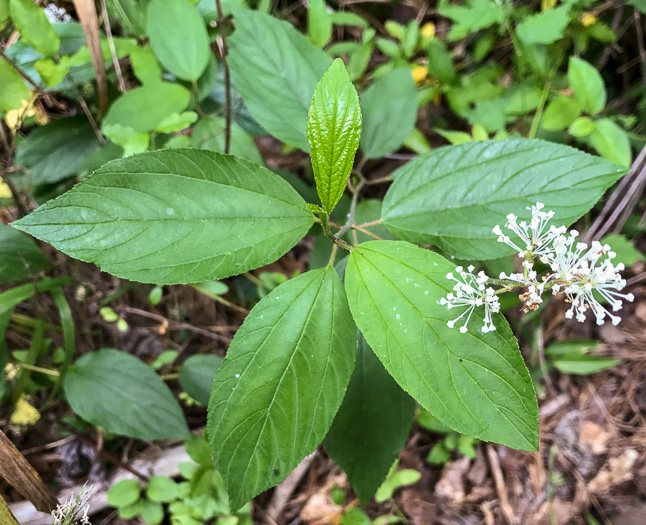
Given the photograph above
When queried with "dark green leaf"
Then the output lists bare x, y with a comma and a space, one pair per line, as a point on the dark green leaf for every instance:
116, 391
34, 28
131, 14
196, 376
178, 37
372, 425
389, 111
275, 69
587, 84
333, 130
20, 256
454, 196
475, 383
209, 134
281, 383
58, 150
174, 216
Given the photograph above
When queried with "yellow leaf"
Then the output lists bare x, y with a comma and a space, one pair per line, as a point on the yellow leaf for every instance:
428, 30
24, 415
587, 19
5, 192
419, 73
547, 4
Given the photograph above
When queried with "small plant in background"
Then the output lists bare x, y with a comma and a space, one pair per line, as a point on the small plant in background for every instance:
452, 441
75, 510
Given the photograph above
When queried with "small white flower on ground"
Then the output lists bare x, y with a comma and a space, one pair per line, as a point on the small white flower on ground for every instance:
471, 293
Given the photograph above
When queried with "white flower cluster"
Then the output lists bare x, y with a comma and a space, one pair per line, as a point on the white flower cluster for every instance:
585, 274
75, 510
470, 291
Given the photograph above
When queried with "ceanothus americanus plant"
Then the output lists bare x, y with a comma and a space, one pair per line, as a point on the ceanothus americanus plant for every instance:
340, 355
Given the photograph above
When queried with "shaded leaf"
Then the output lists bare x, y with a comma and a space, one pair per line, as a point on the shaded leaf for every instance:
34, 28
20, 256
372, 425
14, 90
196, 376
116, 391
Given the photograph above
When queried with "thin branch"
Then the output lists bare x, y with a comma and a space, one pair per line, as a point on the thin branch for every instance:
113, 50
353, 209
20, 71
224, 52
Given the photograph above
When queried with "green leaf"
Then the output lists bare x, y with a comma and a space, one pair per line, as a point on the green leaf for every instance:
116, 391
560, 113
14, 90
145, 66
34, 28
131, 14
144, 108
58, 150
438, 455
275, 69
355, 517
319, 22
440, 62
587, 84
176, 122
20, 256
475, 383
611, 142
152, 512
176, 216
483, 182
281, 383
124, 493
196, 376
161, 489
389, 112
476, 15
209, 134
127, 138
623, 247
581, 127
584, 365
178, 37
398, 479
346, 18
372, 425
544, 27
4, 16
198, 450
333, 130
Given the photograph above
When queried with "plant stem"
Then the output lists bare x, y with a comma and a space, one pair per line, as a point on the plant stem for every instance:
34, 368
335, 248
353, 208
224, 51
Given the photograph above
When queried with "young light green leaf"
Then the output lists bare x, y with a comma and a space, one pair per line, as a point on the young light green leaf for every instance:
475, 383
174, 216
4, 13
333, 130
372, 425
34, 28
124, 493
145, 107
178, 37
281, 383
57, 151
587, 84
389, 111
483, 182
262, 46
196, 376
611, 142
14, 90
145, 66
161, 489
20, 256
544, 27
116, 391
560, 113
581, 127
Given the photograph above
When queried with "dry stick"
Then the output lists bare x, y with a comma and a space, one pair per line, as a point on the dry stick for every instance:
624, 197
224, 52
113, 50
640, 42
494, 462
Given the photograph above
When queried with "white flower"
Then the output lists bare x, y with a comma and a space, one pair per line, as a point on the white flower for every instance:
533, 236
75, 510
471, 292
